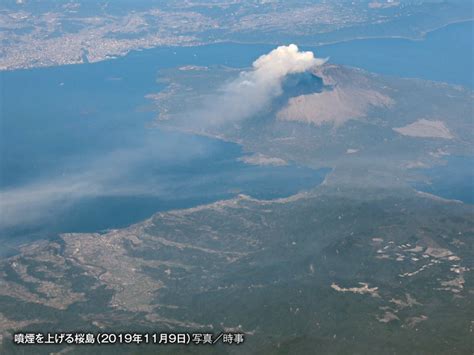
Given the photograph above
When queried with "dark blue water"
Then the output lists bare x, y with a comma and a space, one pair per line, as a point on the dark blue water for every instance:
444, 55
80, 138
455, 180
79, 123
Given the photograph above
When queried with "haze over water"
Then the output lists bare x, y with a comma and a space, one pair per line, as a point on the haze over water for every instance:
88, 126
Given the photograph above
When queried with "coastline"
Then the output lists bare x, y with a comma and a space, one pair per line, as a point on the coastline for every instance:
415, 38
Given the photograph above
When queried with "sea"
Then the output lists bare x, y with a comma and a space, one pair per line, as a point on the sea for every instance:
80, 153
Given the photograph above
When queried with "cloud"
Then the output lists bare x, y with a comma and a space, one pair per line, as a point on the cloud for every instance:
253, 90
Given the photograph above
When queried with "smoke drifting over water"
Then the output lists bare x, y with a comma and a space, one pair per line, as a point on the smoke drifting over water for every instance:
143, 168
